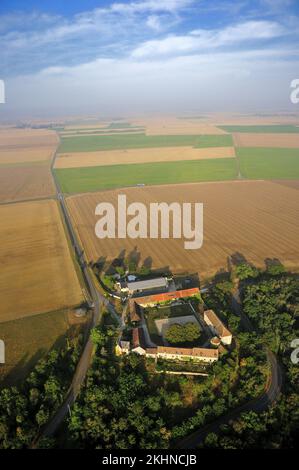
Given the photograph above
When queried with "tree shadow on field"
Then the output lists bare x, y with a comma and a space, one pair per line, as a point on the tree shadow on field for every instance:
236, 259
162, 271
18, 373
134, 258
117, 262
186, 280
147, 263
271, 263
99, 265
222, 275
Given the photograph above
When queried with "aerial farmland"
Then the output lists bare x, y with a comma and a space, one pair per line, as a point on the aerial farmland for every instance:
246, 175
35, 243
38, 272
25, 160
258, 219
159, 158
149, 228
233, 169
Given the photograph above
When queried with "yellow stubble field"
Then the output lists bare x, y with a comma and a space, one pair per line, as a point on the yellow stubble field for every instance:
25, 158
13, 156
169, 125
37, 272
257, 219
28, 182
145, 155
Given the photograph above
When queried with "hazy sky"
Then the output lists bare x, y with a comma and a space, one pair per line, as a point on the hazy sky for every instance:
126, 57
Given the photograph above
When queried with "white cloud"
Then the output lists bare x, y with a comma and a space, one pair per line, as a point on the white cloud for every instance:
202, 39
201, 68
171, 6
15, 20
247, 80
154, 22
99, 19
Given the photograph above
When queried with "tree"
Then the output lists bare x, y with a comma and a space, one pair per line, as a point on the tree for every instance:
97, 337
192, 331
42, 416
120, 270
175, 334
275, 267
108, 281
187, 333
144, 270
211, 440
245, 271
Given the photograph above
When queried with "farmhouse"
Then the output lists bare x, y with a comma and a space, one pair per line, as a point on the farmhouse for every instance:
197, 354
165, 352
217, 327
134, 311
137, 287
151, 300
138, 341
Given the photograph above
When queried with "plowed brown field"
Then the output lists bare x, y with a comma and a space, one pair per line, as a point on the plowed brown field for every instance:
28, 182
289, 183
37, 272
24, 138
164, 154
257, 219
23, 155
266, 140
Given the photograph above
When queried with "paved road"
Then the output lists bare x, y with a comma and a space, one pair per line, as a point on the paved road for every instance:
98, 301
258, 405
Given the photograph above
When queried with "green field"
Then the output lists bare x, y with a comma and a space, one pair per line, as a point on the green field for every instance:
112, 128
100, 132
120, 125
269, 163
28, 339
273, 129
76, 180
113, 142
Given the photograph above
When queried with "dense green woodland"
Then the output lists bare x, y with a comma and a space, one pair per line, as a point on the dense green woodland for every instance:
125, 404
272, 304
25, 410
